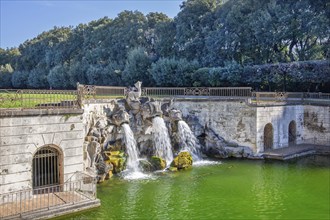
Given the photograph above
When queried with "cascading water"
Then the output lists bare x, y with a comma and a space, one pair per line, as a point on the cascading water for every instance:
188, 141
130, 143
133, 171
161, 140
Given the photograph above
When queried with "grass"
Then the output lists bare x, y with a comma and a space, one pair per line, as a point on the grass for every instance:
11, 99
37, 99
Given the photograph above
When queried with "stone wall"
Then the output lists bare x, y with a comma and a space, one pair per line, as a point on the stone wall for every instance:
244, 125
22, 133
232, 120
279, 117
316, 123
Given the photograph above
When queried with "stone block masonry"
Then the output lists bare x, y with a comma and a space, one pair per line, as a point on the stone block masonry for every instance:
22, 133
232, 120
279, 117
242, 124
316, 123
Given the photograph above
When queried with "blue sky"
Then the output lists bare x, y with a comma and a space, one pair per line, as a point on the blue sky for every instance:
21, 20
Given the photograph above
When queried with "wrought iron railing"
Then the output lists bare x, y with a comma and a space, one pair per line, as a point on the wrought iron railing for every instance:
163, 91
27, 98
197, 91
79, 189
284, 98
103, 92
86, 92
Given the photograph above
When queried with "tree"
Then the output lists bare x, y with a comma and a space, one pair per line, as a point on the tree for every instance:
57, 77
5, 76
112, 74
126, 32
192, 25
94, 75
77, 73
173, 72
20, 79
165, 39
38, 79
137, 68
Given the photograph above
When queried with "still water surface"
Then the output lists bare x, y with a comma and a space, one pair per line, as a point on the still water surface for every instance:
230, 189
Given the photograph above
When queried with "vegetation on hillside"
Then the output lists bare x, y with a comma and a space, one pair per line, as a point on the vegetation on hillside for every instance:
266, 44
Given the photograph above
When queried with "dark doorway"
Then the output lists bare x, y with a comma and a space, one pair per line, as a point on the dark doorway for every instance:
292, 133
268, 136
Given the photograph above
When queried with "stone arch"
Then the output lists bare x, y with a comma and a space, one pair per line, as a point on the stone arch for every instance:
47, 169
292, 133
268, 136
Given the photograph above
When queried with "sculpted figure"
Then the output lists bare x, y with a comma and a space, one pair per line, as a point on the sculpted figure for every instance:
175, 115
135, 94
119, 116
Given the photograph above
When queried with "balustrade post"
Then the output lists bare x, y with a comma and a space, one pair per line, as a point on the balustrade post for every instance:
80, 94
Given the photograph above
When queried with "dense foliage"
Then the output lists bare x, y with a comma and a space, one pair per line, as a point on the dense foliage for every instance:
266, 44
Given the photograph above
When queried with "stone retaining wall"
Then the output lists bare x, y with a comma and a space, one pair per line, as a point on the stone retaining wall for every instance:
22, 133
316, 124
234, 121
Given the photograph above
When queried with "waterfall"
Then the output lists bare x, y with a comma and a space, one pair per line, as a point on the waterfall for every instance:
188, 141
130, 143
161, 140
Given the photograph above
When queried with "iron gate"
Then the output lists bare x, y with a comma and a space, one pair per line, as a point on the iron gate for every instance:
46, 168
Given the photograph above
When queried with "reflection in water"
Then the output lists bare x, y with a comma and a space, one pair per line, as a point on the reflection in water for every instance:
131, 202
161, 200
268, 190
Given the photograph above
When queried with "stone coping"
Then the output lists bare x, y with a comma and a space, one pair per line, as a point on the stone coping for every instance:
38, 112
62, 210
300, 150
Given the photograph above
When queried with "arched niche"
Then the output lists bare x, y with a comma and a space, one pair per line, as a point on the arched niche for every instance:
268, 136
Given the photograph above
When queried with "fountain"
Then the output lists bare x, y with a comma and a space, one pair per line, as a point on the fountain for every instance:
130, 143
188, 141
161, 140
139, 127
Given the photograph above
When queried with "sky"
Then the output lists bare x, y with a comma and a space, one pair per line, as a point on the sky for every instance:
21, 20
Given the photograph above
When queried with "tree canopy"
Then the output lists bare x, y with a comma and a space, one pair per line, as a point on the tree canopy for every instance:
266, 44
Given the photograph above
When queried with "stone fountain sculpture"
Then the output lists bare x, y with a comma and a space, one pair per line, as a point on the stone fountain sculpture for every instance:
93, 146
146, 121
133, 97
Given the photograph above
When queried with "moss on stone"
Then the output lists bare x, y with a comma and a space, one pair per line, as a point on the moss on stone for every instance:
182, 161
118, 161
158, 163
146, 166
173, 169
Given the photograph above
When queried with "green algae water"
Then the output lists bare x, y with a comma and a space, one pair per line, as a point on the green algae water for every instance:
230, 189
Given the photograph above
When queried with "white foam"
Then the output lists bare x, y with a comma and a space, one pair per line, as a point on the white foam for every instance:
206, 163
136, 176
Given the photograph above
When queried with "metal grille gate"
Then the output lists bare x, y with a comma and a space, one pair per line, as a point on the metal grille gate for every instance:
46, 170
